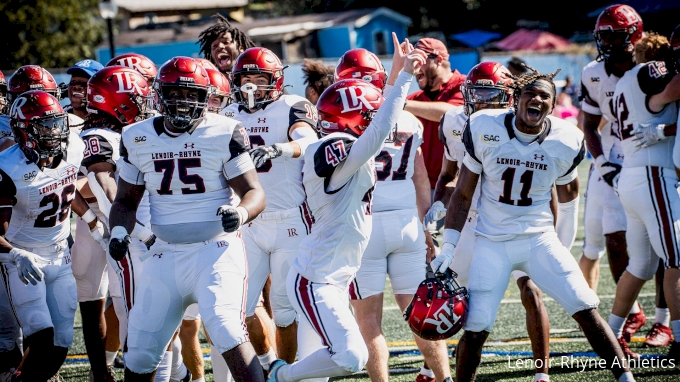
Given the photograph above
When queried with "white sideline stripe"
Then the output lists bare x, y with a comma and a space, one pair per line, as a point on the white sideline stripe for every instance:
518, 301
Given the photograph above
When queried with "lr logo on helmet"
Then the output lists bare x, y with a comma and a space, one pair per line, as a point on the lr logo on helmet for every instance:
443, 319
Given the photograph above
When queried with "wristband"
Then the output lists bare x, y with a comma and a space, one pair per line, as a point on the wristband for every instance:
243, 214
89, 216
450, 236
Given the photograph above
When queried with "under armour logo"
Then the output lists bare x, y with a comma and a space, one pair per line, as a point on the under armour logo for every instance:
188, 145
70, 170
222, 244
159, 255
619, 156
292, 232
262, 120
536, 156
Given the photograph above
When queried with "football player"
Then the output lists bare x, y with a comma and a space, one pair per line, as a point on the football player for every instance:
193, 165
519, 155
399, 203
617, 30
37, 192
487, 86
222, 43
339, 178
317, 77
77, 86
116, 96
27, 77
272, 240
645, 99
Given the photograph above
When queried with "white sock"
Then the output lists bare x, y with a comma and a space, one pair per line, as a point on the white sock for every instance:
627, 377
202, 379
675, 329
220, 369
178, 370
542, 377
662, 316
617, 323
163, 371
426, 372
267, 359
635, 309
318, 365
111, 357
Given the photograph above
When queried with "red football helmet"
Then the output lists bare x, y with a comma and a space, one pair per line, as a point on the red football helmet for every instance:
617, 30
348, 106
361, 64
120, 92
487, 86
4, 102
39, 124
32, 77
138, 62
176, 76
675, 49
205, 63
439, 307
257, 61
220, 96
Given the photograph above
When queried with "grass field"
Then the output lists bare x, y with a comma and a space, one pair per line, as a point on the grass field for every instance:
508, 343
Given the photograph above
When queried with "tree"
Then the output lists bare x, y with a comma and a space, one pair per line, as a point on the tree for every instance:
49, 33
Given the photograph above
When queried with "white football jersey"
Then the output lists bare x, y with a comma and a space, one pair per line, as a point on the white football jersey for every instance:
599, 85
451, 130
630, 103
103, 145
394, 166
517, 179
331, 253
281, 178
184, 175
41, 199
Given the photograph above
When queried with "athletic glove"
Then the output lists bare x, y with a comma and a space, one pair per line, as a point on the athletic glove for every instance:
29, 265
232, 217
436, 212
119, 243
443, 260
97, 234
262, 154
608, 170
648, 134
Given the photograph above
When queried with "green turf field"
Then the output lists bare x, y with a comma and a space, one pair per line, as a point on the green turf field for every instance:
571, 356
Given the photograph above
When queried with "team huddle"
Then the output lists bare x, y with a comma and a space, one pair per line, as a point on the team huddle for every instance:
206, 194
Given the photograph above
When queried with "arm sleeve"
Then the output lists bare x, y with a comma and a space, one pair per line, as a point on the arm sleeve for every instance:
98, 192
8, 191
304, 136
97, 150
239, 161
567, 222
585, 106
126, 170
370, 142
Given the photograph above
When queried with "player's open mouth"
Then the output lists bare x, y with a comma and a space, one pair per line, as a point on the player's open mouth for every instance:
77, 94
534, 112
223, 59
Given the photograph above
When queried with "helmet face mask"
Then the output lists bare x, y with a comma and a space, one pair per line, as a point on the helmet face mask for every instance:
487, 86
40, 125
254, 61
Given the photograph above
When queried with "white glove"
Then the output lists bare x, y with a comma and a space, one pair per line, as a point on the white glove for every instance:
29, 265
648, 134
261, 154
443, 260
97, 234
436, 212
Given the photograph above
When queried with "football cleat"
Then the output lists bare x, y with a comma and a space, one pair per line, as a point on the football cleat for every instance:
626, 350
659, 335
439, 307
424, 378
633, 323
